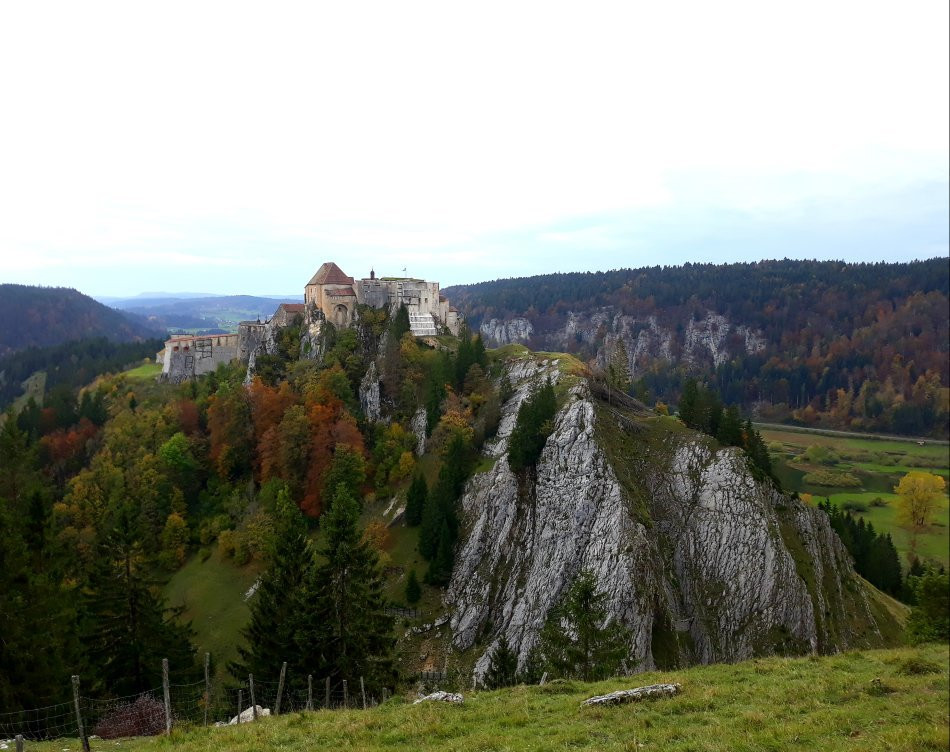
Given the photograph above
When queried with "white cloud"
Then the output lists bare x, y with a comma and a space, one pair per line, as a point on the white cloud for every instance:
427, 126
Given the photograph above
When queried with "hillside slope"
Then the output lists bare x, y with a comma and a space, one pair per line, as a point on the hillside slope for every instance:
871, 700
701, 561
851, 345
44, 316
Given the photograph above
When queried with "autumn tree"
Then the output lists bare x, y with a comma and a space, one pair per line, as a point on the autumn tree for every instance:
918, 496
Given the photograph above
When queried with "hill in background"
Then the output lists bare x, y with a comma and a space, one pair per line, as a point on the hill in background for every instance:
44, 316
208, 313
853, 346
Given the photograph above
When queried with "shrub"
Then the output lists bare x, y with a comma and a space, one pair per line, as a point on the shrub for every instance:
877, 501
820, 455
832, 479
853, 505
143, 717
917, 667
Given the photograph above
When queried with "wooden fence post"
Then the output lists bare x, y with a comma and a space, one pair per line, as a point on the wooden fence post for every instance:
250, 680
544, 678
309, 691
385, 693
363, 692
207, 685
82, 731
280, 688
19, 743
240, 704
168, 699
346, 696
328, 693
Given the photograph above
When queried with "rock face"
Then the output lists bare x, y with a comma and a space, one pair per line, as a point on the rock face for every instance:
712, 339
508, 331
699, 559
419, 424
369, 393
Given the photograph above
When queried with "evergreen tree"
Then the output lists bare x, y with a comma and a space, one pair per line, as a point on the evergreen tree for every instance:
479, 355
687, 404
416, 500
433, 513
127, 629
464, 358
346, 629
400, 324
577, 640
930, 618
502, 666
278, 603
347, 469
413, 590
532, 427
440, 568
730, 427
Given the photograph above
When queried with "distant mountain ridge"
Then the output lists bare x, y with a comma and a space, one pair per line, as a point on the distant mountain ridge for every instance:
222, 312
861, 346
44, 316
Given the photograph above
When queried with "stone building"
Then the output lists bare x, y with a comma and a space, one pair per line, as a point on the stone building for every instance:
334, 295
189, 355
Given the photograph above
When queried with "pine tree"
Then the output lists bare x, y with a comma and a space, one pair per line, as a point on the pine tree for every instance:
416, 500
413, 590
577, 640
730, 427
687, 403
440, 568
400, 324
478, 352
127, 629
433, 512
502, 666
346, 628
532, 427
279, 601
348, 469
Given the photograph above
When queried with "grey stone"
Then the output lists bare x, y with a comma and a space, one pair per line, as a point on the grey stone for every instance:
649, 692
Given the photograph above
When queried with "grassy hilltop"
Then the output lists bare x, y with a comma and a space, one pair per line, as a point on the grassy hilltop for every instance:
860, 700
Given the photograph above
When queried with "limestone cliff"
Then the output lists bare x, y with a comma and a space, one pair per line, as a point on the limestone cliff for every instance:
702, 561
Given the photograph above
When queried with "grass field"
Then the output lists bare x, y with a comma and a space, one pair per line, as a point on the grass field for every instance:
869, 700
212, 593
869, 460
147, 370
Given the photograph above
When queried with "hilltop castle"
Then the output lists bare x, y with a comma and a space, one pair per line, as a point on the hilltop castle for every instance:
329, 296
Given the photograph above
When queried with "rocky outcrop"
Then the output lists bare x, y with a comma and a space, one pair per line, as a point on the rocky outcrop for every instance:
711, 339
701, 561
419, 426
505, 332
369, 393
451, 697
623, 696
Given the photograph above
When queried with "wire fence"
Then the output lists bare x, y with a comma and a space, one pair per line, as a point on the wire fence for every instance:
157, 710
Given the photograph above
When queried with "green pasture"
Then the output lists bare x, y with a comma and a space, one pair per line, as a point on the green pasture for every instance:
860, 700
862, 458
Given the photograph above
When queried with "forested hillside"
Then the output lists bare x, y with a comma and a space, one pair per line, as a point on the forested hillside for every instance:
43, 316
861, 346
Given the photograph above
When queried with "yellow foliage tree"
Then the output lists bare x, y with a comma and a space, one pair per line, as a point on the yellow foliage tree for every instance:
918, 493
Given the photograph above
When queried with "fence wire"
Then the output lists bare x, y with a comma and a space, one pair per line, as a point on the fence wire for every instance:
144, 714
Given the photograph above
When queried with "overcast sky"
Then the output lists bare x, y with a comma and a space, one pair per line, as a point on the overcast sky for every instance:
231, 148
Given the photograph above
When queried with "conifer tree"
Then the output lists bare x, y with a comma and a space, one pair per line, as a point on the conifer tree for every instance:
416, 500
127, 629
440, 568
347, 628
577, 640
687, 403
532, 427
400, 324
502, 666
413, 590
478, 352
730, 427
278, 603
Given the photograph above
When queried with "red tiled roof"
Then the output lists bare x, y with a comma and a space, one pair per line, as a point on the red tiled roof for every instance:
294, 307
330, 274
342, 292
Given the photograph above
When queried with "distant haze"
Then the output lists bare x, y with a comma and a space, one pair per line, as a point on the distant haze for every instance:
233, 148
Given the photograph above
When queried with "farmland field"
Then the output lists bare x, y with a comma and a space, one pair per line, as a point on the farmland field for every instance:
875, 467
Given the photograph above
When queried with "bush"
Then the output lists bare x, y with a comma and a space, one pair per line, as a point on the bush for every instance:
143, 717
820, 455
877, 501
832, 479
853, 505
917, 667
